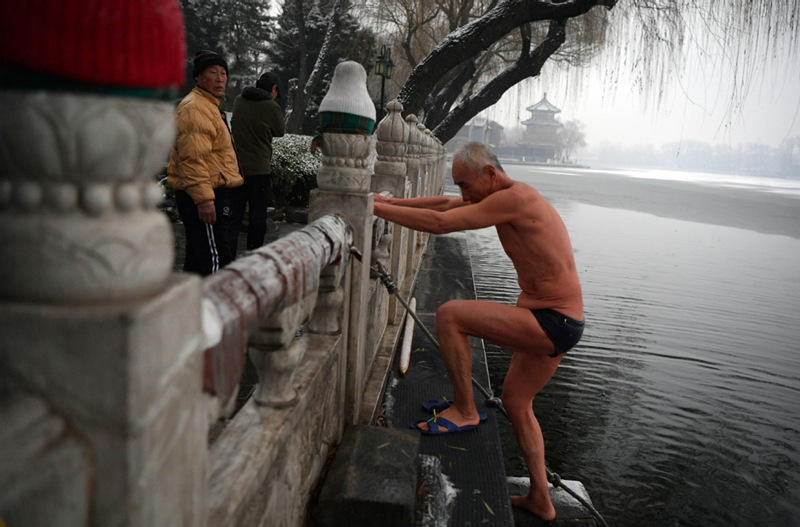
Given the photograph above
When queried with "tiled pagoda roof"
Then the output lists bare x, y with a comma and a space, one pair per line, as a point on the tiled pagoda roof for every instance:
543, 106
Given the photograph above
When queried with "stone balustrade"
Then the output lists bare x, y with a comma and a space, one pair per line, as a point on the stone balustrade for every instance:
259, 303
113, 369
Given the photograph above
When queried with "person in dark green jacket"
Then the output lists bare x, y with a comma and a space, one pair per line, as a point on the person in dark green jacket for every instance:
256, 120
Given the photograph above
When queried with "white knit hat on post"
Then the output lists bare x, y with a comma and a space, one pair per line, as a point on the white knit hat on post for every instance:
348, 91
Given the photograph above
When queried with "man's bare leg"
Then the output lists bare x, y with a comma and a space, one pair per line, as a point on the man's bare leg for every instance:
510, 327
526, 376
457, 356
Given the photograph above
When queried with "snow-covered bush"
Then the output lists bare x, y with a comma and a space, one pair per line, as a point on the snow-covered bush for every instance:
294, 170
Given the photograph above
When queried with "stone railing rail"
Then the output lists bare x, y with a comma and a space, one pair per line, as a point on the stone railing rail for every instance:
113, 369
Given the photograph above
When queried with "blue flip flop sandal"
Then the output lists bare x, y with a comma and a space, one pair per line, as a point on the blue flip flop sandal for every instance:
443, 427
437, 405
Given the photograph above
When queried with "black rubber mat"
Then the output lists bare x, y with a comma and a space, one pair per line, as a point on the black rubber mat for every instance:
471, 460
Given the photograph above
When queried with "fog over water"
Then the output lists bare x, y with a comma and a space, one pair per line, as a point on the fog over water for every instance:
679, 406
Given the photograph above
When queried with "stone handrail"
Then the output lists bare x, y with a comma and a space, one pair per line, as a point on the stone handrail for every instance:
264, 299
293, 379
113, 369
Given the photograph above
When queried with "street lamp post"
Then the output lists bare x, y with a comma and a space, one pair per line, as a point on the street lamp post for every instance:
383, 67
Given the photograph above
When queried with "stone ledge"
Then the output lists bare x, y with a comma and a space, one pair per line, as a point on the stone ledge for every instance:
569, 511
372, 480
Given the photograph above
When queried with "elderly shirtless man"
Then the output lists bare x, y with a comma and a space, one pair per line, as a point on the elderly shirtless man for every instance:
546, 321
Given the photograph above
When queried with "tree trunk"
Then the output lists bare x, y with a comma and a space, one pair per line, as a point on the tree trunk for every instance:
472, 39
294, 121
529, 64
438, 106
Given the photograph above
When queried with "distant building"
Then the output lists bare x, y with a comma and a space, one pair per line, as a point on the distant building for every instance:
540, 140
480, 130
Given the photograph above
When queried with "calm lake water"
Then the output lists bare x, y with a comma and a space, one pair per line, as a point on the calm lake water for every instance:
680, 404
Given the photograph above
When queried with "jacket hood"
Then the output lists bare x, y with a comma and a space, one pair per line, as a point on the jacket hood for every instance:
251, 93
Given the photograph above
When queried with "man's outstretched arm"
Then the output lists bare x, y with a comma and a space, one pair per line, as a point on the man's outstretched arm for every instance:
419, 219
500, 207
438, 203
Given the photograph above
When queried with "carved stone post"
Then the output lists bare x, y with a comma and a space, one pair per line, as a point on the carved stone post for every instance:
413, 169
344, 184
99, 341
437, 164
329, 313
424, 186
276, 350
91, 319
78, 197
430, 163
424, 161
441, 165
390, 175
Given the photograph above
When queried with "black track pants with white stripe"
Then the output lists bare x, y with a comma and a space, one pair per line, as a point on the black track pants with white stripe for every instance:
209, 248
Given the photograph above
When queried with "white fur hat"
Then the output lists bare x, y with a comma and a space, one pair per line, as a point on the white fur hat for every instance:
348, 91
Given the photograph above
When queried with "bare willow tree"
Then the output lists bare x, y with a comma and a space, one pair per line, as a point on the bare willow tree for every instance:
461, 56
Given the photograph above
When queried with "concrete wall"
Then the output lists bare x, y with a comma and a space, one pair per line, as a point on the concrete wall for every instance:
113, 369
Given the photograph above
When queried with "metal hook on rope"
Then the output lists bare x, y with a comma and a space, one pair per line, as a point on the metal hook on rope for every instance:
391, 287
491, 401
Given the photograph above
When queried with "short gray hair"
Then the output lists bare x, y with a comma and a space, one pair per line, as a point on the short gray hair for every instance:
475, 156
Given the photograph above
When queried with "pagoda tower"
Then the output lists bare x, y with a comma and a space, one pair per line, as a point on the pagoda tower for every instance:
541, 129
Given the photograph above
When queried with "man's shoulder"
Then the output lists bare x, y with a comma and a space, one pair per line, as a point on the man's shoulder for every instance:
195, 100
518, 191
188, 100
243, 104
526, 192
196, 113
521, 186
270, 113
517, 202
267, 104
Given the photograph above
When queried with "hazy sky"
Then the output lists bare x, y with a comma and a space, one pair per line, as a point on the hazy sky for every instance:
696, 106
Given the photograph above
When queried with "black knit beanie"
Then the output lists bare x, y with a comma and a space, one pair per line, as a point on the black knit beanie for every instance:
206, 58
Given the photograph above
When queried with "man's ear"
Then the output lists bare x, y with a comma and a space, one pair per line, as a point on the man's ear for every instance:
489, 170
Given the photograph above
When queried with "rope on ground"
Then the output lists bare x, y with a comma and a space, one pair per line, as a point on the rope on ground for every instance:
491, 400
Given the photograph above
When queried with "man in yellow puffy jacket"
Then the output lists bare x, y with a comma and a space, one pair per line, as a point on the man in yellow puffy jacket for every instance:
204, 171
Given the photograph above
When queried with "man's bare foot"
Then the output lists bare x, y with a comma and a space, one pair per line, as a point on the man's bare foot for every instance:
454, 416
545, 511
